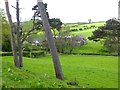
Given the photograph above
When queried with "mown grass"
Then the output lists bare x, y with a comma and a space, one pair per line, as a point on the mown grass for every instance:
86, 71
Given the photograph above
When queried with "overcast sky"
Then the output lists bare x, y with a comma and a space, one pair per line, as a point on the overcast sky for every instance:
70, 10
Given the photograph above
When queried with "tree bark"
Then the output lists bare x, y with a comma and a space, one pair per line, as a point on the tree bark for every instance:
18, 34
51, 42
13, 44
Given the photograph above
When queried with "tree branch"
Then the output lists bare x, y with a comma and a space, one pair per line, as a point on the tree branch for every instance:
28, 33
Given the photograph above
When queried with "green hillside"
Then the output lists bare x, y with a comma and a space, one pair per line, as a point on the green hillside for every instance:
83, 71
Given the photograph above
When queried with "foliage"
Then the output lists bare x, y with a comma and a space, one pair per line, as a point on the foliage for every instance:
86, 71
37, 54
33, 54
109, 34
6, 54
55, 23
6, 43
26, 46
63, 40
64, 45
89, 20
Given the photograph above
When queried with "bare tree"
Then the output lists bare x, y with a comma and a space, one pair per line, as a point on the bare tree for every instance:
51, 42
18, 34
12, 34
20, 39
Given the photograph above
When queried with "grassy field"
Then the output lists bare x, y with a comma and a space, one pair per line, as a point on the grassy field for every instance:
88, 32
91, 47
86, 71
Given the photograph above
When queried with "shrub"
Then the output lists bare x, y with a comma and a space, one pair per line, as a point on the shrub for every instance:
6, 45
26, 54
6, 54
80, 29
33, 54
74, 30
26, 46
37, 54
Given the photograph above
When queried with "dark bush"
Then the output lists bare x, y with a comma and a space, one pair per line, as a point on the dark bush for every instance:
74, 30
26, 54
93, 26
6, 45
80, 29
37, 54
6, 54
33, 54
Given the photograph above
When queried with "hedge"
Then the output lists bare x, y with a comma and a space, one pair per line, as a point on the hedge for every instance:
37, 54
6, 54
33, 54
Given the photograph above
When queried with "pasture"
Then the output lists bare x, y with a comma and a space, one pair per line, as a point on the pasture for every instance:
82, 71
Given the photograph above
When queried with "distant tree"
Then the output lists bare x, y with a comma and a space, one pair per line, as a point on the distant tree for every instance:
89, 20
109, 34
55, 24
64, 41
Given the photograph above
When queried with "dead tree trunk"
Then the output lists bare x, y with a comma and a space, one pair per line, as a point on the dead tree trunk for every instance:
13, 44
51, 42
18, 34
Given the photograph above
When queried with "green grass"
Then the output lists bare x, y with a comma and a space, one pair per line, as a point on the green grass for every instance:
91, 47
86, 71
88, 32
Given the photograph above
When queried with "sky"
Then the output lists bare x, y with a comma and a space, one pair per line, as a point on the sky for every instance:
69, 11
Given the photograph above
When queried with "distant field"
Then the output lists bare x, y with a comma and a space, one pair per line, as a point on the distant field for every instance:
86, 71
87, 32
91, 47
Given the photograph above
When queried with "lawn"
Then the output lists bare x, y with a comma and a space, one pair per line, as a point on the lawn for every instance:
86, 71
